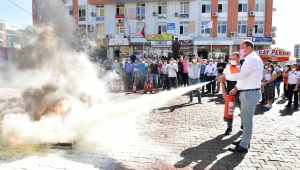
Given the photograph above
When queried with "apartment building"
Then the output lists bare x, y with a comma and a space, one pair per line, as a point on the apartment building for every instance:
297, 51
2, 33
150, 27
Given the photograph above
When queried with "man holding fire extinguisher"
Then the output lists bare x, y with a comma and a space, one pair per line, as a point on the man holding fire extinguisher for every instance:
232, 68
248, 83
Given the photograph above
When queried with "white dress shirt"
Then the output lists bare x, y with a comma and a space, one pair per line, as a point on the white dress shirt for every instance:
171, 71
194, 70
251, 73
293, 77
211, 69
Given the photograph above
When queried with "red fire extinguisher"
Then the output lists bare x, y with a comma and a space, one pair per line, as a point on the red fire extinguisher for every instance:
145, 87
229, 108
150, 86
122, 86
118, 87
134, 87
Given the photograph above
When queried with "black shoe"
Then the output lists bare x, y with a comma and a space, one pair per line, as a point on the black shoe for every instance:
238, 149
262, 102
295, 107
199, 102
228, 131
242, 127
287, 106
237, 143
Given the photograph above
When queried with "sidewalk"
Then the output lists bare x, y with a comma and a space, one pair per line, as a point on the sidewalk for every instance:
177, 136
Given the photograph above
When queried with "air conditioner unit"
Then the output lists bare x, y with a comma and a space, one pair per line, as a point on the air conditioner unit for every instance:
251, 32
90, 28
65, 1
252, 13
93, 14
108, 36
120, 20
176, 14
139, 17
214, 14
154, 13
233, 34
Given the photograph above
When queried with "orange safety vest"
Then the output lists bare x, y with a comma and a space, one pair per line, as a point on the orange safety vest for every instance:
232, 69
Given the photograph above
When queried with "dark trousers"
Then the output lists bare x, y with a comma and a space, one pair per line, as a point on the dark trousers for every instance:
285, 91
128, 81
172, 82
179, 78
292, 93
202, 80
164, 81
142, 80
184, 79
212, 85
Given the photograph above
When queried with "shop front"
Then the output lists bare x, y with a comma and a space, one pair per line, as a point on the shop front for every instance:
274, 55
139, 45
98, 46
118, 48
160, 44
186, 45
215, 48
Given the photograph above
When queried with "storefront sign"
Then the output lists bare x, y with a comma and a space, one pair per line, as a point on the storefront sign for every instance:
185, 42
184, 15
159, 37
118, 41
272, 52
136, 35
120, 16
275, 58
100, 18
171, 26
161, 42
192, 27
96, 41
131, 14
186, 47
262, 39
243, 38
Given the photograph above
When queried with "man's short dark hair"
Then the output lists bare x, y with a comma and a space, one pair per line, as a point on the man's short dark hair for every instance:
236, 53
249, 43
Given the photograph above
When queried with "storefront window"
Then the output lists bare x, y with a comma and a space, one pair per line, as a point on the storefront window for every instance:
121, 52
217, 51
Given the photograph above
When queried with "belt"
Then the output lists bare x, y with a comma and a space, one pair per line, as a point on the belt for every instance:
291, 84
249, 89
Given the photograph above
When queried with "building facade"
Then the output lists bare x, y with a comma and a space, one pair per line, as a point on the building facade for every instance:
138, 26
2, 33
297, 51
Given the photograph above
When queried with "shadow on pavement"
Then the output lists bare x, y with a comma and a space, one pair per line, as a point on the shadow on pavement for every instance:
207, 152
174, 107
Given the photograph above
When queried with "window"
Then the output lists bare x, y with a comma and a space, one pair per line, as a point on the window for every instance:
120, 28
222, 7
206, 31
162, 8
40, 14
184, 28
184, 7
100, 29
260, 5
139, 26
100, 10
81, 14
222, 26
69, 11
120, 9
53, 14
259, 27
243, 6
82, 29
140, 9
162, 28
206, 7
242, 27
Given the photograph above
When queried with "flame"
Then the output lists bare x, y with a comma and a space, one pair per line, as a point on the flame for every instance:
63, 106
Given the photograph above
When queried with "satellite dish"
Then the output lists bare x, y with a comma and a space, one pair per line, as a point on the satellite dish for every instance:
274, 29
274, 9
273, 35
273, 41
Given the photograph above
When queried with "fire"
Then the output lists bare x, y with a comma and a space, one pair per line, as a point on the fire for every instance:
63, 106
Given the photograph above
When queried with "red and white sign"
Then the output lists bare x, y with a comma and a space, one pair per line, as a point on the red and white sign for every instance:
118, 41
33, 11
274, 55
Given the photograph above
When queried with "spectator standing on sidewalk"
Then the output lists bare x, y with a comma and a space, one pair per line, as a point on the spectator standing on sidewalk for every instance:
194, 74
128, 71
211, 73
172, 69
248, 83
154, 72
184, 77
293, 85
285, 81
278, 81
142, 74
135, 71
164, 75
269, 86
202, 75
220, 67
180, 71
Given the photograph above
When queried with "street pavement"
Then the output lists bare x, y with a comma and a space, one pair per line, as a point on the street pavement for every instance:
176, 135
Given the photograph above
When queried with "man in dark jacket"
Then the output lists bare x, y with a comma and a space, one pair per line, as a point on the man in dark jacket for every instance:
176, 48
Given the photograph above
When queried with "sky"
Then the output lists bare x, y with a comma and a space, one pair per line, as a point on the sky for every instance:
288, 30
